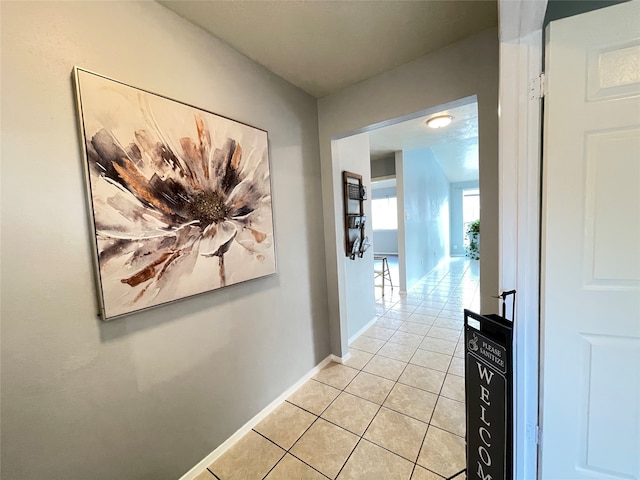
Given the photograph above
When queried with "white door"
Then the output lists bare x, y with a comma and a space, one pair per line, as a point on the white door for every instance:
590, 297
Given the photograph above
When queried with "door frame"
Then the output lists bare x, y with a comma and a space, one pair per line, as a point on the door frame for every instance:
520, 146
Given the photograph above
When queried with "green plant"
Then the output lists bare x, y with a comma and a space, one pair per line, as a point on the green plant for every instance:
473, 234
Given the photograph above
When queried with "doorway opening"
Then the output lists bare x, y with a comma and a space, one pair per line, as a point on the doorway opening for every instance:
431, 177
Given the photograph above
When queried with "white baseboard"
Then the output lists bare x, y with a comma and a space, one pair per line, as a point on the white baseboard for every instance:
341, 360
228, 443
361, 331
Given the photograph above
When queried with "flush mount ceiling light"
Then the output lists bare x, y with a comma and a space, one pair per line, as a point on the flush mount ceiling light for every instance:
439, 121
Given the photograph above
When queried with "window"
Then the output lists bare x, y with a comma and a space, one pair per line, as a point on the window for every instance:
470, 209
384, 213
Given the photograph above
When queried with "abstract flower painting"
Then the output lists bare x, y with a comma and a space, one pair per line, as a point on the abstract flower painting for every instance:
180, 197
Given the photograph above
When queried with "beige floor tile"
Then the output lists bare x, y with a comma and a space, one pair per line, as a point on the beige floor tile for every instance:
397, 432
381, 333
385, 367
421, 473
433, 360
397, 351
449, 415
433, 311
396, 314
205, 475
408, 339
460, 349
314, 396
423, 319
358, 358
449, 323
410, 301
423, 378
336, 375
412, 401
432, 304
438, 345
415, 328
442, 452
392, 323
251, 458
370, 387
457, 314
457, 366
351, 412
403, 307
370, 462
285, 424
444, 333
453, 388
290, 468
325, 447
367, 344
452, 307
415, 295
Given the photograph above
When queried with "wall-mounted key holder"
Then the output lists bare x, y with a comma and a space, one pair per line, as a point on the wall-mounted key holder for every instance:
354, 218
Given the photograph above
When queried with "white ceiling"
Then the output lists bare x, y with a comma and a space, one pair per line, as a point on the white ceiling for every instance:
455, 146
324, 46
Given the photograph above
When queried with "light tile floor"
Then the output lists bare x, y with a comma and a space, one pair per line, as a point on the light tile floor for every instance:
394, 410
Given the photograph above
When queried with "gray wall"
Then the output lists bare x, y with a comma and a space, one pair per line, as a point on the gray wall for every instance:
455, 209
385, 241
383, 167
426, 213
460, 70
150, 395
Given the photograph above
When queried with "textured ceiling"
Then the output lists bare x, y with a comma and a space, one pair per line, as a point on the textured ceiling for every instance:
324, 46
455, 146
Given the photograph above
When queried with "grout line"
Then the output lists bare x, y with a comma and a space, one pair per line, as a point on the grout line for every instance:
216, 476
288, 451
401, 321
349, 456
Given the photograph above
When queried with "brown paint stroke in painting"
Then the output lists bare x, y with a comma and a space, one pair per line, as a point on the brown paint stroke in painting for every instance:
174, 257
139, 184
259, 236
237, 156
205, 144
146, 273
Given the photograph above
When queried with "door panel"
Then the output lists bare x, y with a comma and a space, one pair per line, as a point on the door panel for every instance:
590, 292
612, 252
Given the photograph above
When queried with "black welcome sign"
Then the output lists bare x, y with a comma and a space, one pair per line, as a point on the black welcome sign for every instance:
489, 396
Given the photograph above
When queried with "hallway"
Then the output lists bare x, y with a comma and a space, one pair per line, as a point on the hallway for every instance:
394, 410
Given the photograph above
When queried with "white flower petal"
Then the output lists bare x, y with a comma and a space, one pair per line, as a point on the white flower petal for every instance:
216, 236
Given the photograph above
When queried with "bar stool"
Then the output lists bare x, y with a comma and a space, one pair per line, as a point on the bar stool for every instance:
383, 272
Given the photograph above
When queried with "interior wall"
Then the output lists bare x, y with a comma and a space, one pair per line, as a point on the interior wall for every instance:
149, 395
460, 70
455, 209
383, 167
402, 254
352, 153
426, 213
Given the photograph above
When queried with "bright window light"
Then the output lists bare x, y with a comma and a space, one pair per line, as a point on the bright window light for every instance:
470, 209
384, 213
